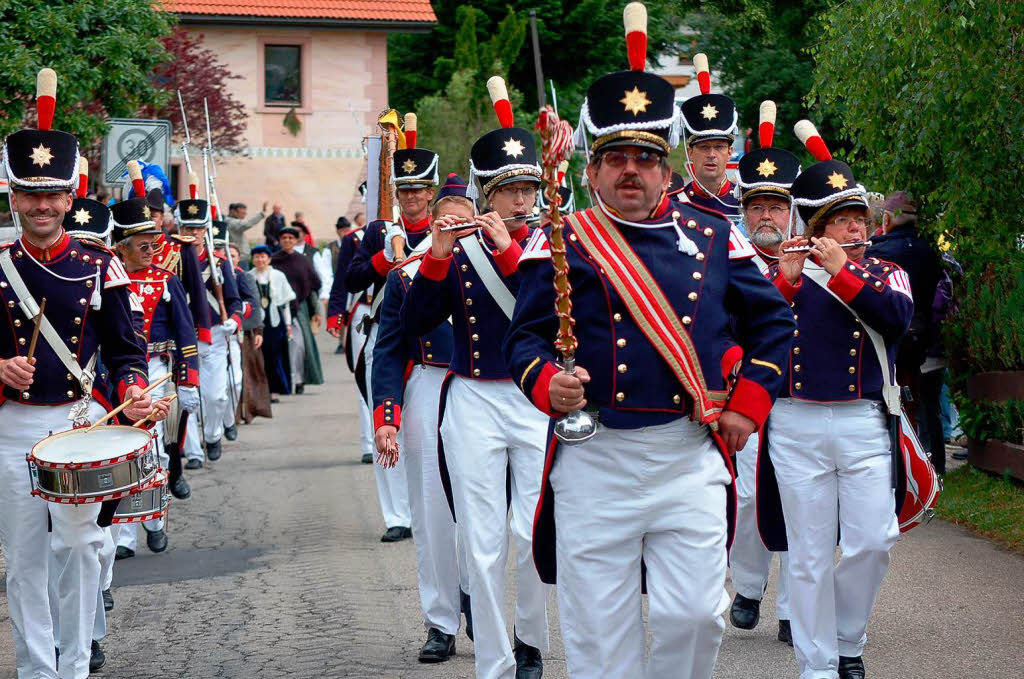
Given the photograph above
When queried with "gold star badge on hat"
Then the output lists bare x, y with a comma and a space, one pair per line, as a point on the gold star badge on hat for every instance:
409, 166
146, 213
635, 101
709, 112
767, 168
837, 181
514, 148
81, 216
41, 156
193, 210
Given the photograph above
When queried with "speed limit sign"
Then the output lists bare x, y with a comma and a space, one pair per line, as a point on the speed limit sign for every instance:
134, 139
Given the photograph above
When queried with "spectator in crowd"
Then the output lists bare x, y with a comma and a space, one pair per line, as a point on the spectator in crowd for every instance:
876, 207
359, 221
300, 223
238, 224
304, 245
272, 226
341, 228
276, 297
298, 268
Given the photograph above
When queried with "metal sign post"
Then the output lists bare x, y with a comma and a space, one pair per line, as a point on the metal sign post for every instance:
134, 139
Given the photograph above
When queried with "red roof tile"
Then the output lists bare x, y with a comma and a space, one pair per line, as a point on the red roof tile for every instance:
356, 10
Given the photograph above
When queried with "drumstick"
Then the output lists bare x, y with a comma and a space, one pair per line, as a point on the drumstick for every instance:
129, 402
35, 332
147, 418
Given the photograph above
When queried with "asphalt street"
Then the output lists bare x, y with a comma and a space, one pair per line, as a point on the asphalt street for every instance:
275, 569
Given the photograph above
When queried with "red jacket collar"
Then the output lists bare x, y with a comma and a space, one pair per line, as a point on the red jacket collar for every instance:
726, 188
50, 253
521, 233
415, 227
658, 212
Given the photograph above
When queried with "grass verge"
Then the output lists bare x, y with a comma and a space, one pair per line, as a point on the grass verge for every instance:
987, 505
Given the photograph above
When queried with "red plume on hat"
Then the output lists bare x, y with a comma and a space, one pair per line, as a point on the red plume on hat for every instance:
766, 130
700, 61
135, 173
807, 133
83, 177
46, 97
634, 19
193, 185
499, 97
410, 130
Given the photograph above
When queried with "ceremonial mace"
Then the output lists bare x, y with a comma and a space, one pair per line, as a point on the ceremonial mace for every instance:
389, 141
557, 147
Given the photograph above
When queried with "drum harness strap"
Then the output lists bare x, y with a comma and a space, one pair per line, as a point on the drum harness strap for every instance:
79, 411
488, 276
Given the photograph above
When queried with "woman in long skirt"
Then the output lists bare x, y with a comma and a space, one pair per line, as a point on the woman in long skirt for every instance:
275, 296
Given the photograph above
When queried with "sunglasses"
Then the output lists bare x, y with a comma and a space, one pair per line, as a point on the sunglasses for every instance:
643, 159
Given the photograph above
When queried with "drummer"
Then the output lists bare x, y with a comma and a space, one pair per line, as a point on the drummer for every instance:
88, 309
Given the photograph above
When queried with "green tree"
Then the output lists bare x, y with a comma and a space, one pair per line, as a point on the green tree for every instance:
104, 52
930, 94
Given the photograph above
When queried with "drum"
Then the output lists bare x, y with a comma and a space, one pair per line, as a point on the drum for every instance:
81, 467
923, 484
147, 504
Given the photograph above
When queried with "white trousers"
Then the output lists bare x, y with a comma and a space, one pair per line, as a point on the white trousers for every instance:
392, 484
657, 494
235, 347
488, 428
832, 464
297, 354
213, 378
127, 536
193, 444
73, 546
749, 560
432, 525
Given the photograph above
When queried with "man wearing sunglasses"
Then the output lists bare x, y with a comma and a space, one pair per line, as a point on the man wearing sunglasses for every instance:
648, 498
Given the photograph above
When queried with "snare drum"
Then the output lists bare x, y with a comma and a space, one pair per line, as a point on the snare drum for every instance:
147, 504
81, 467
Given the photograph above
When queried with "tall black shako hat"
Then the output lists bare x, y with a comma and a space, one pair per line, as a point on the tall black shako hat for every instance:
505, 155
192, 211
826, 186
131, 218
767, 170
630, 108
220, 232
43, 159
568, 203
413, 168
87, 218
708, 116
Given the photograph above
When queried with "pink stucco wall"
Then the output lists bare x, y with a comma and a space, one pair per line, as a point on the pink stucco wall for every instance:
318, 170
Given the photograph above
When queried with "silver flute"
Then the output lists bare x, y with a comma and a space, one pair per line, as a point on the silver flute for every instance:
463, 225
808, 248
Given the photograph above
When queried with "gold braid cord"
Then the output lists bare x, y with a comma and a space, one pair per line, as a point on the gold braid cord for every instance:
557, 146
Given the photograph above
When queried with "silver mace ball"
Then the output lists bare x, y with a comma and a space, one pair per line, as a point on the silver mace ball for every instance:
577, 426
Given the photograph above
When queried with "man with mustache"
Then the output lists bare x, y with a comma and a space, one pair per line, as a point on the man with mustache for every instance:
647, 499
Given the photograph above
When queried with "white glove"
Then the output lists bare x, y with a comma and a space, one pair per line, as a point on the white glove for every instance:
189, 398
230, 326
389, 247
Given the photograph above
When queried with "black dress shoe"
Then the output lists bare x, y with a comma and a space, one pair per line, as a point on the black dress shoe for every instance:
213, 450
300, 388
467, 611
180, 488
340, 349
96, 657
194, 463
851, 668
108, 600
156, 541
123, 553
745, 613
785, 632
274, 399
395, 534
367, 458
529, 664
439, 646
231, 433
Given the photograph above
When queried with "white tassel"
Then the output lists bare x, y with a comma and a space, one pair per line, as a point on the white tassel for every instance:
167, 294
96, 299
685, 245
579, 137
471, 191
436, 178
675, 130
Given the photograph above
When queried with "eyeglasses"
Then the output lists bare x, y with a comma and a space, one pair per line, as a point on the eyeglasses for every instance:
146, 247
642, 159
524, 191
711, 148
845, 222
773, 210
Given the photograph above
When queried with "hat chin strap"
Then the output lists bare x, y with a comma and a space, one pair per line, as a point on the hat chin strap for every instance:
696, 180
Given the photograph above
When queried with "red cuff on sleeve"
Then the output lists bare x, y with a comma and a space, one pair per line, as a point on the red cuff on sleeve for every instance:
238, 321
380, 264
788, 291
204, 335
133, 380
191, 378
387, 413
509, 259
540, 395
246, 310
334, 322
846, 284
750, 399
732, 355
433, 268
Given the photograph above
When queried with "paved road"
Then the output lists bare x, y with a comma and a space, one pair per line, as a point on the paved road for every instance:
275, 570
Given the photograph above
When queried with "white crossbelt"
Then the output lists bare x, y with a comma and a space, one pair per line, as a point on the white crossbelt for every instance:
488, 276
378, 297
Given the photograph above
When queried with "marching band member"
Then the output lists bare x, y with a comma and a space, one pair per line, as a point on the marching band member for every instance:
490, 435
408, 372
649, 496
249, 302
414, 177
710, 121
193, 216
765, 177
828, 439
169, 334
88, 309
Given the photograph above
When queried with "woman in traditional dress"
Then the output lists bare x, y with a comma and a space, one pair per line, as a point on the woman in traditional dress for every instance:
276, 296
